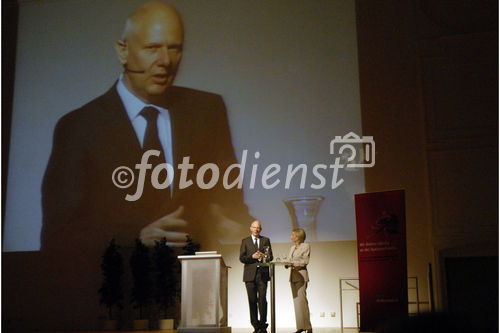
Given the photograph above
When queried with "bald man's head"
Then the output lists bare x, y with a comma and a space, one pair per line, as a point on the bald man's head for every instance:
151, 49
151, 10
256, 228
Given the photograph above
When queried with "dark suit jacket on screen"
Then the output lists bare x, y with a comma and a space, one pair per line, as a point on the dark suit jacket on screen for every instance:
247, 249
80, 203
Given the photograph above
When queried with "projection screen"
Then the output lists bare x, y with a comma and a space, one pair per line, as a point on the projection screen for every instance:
286, 70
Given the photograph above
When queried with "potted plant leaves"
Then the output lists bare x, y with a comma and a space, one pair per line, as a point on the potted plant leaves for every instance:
142, 287
111, 288
166, 291
191, 247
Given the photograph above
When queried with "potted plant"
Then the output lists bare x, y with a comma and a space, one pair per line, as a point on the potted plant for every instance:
191, 247
166, 291
142, 290
111, 288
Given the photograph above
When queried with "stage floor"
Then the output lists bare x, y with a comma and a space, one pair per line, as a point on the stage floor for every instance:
234, 330
291, 330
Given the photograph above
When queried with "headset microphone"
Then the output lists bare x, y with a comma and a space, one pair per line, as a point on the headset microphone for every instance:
132, 70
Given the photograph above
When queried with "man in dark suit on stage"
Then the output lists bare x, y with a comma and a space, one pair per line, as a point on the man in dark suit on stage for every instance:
84, 195
253, 250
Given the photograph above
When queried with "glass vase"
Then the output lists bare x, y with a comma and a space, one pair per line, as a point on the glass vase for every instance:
303, 211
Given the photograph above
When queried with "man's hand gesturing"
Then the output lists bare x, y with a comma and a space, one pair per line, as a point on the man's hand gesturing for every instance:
170, 226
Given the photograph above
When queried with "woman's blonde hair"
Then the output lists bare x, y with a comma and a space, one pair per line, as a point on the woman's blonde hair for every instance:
300, 233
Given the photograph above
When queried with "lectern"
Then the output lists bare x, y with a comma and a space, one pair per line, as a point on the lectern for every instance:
203, 293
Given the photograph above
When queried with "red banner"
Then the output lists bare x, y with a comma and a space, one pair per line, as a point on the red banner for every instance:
381, 235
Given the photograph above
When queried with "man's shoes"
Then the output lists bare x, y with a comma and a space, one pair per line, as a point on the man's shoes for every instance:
263, 328
299, 331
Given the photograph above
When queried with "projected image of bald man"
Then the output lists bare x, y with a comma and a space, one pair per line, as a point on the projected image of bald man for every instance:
84, 206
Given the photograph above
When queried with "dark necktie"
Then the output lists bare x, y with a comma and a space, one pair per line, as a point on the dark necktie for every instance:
152, 141
256, 244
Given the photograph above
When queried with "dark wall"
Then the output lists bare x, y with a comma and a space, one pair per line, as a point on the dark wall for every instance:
429, 95
469, 280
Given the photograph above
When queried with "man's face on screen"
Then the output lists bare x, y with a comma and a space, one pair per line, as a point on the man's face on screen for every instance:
153, 54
